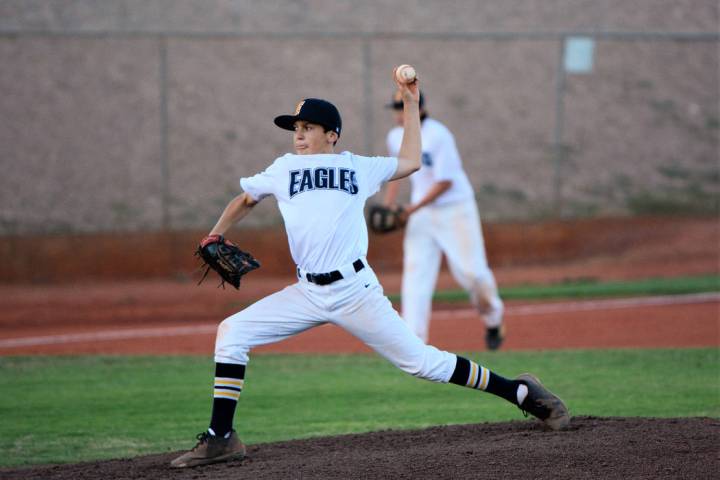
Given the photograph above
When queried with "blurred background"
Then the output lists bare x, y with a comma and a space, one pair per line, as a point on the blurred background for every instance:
125, 125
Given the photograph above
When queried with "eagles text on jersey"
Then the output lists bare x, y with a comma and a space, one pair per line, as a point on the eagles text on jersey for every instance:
323, 178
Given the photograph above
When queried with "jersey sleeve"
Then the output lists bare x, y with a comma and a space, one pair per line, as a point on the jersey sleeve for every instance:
446, 159
376, 171
262, 184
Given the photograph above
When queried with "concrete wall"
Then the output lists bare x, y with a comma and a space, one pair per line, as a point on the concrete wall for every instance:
120, 116
288, 17
48, 259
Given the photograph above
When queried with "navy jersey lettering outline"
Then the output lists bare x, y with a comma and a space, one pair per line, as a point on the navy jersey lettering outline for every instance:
307, 180
332, 178
294, 182
323, 178
344, 179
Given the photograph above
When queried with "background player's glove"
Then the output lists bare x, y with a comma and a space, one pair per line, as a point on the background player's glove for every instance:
384, 219
226, 259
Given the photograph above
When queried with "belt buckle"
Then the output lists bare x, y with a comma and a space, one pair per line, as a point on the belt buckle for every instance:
320, 278
330, 277
316, 278
323, 279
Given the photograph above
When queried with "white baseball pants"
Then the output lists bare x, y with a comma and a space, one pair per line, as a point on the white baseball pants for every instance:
356, 303
453, 230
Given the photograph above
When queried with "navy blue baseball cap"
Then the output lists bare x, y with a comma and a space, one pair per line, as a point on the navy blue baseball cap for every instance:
313, 110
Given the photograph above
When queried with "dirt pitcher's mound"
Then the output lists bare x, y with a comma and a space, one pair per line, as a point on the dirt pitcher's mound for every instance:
606, 448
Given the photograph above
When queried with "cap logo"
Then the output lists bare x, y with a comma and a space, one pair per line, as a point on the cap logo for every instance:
299, 107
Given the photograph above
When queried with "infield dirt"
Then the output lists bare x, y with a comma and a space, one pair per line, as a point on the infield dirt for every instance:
608, 448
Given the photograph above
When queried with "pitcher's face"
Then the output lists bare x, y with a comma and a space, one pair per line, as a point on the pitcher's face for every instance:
310, 138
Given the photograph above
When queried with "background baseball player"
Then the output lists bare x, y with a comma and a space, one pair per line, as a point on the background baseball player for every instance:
321, 196
442, 218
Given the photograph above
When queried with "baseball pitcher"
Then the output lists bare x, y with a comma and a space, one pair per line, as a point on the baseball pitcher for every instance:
321, 195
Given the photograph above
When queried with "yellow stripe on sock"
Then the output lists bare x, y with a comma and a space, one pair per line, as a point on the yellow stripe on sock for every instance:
485, 377
226, 394
229, 383
473, 374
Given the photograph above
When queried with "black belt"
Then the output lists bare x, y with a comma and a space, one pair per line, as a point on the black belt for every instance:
330, 277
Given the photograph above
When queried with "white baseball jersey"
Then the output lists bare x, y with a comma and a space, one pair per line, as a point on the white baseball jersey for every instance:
321, 199
440, 161
450, 225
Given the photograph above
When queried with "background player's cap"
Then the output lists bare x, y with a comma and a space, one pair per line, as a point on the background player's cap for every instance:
313, 110
397, 103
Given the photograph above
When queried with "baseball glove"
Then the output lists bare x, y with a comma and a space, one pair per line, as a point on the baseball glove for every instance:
226, 259
384, 219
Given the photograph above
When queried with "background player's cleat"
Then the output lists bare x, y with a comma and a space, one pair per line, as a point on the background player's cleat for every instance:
494, 337
543, 404
211, 449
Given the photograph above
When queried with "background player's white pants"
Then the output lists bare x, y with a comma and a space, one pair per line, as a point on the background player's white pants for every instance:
454, 230
356, 304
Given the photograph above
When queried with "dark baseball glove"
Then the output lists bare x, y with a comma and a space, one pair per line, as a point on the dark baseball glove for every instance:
226, 259
384, 219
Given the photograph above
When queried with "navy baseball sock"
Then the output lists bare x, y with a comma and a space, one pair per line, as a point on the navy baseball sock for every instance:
469, 374
228, 385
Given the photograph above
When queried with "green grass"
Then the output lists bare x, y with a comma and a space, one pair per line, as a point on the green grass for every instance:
68, 409
593, 289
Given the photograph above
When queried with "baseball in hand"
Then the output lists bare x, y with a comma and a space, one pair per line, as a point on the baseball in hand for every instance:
405, 74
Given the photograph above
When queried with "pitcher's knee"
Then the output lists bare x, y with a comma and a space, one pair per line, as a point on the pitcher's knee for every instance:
231, 346
484, 297
483, 305
429, 364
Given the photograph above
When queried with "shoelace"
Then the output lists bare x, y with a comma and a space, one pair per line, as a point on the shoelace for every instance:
201, 438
